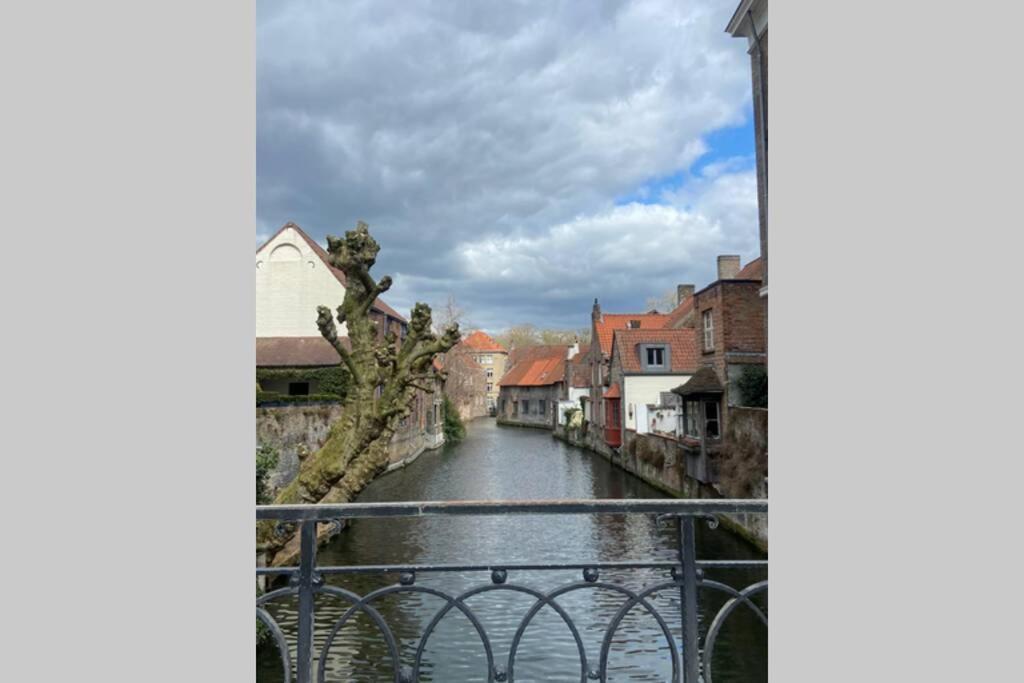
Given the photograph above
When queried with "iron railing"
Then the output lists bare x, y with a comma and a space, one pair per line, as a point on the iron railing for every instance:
691, 659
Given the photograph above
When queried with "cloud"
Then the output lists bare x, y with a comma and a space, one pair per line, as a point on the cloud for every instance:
485, 143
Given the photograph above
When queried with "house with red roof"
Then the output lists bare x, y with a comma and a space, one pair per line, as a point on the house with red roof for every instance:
487, 352
603, 327
645, 364
533, 387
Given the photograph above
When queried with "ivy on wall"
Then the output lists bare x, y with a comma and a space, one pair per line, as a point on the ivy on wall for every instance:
333, 383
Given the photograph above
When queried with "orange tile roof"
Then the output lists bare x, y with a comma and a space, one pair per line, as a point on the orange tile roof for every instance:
752, 271
613, 391
620, 321
481, 341
338, 273
683, 353
579, 368
678, 314
536, 366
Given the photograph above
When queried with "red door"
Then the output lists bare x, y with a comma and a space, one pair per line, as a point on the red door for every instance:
612, 422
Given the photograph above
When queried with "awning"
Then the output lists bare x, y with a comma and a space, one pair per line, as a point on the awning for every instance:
703, 383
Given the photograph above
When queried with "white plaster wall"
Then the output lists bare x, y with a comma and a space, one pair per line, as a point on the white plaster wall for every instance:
575, 394
291, 281
644, 389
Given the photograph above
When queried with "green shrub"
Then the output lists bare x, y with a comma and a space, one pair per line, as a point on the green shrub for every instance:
454, 430
753, 386
334, 380
273, 397
266, 460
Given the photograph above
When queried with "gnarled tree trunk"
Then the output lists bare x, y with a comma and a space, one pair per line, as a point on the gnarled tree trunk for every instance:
385, 375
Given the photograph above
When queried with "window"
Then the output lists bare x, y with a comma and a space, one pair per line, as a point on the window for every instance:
490, 374
515, 407
486, 359
655, 356
711, 415
526, 407
298, 388
634, 324
709, 331
541, 407
502, 406
490, 387
690, 418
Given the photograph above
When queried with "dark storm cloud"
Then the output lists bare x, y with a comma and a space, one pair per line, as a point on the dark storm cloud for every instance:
485, 144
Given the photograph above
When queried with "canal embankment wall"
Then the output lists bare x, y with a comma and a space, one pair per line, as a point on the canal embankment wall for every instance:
739, 470
298, 430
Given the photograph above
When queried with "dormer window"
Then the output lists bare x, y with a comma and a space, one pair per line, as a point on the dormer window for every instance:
654, 357
634, 324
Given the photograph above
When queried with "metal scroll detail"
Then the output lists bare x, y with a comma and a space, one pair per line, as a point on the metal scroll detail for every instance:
691, 659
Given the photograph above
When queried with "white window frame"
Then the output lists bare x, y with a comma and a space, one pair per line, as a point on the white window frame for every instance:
709, 330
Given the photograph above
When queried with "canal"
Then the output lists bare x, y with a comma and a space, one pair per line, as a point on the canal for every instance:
513, 463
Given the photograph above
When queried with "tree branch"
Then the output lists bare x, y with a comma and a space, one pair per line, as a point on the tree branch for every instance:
329, 331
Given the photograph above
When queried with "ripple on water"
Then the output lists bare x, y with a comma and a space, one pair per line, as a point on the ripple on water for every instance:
509, 463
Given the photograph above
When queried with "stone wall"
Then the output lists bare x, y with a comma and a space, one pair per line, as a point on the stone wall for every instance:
662, 461
534, 395
291, 430
295, 429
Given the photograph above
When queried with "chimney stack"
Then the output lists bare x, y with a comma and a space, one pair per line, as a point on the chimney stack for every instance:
728, 267
595, 314
683, 292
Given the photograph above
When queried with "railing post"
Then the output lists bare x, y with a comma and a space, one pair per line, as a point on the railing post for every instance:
688, 594
307, 565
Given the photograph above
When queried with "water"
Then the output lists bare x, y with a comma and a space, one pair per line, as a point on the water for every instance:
512, 463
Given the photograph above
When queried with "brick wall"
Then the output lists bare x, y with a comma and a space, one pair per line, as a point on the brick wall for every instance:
549, 394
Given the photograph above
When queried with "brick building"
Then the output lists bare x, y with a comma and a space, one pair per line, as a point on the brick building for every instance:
493, 357
750, 21
645, 363
466, 382
534, 385
729, 317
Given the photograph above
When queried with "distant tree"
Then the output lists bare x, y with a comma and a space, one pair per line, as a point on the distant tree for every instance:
451, 314
519, 336
664, 303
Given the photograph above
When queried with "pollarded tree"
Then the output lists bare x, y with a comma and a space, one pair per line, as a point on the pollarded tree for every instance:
385, 376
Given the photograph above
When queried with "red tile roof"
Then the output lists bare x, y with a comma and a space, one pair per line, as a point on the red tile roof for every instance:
481, 341
613, 391
339, 274
536, 366
683, 353
579, 368
620, 321
296, 352
677, 316
752, 271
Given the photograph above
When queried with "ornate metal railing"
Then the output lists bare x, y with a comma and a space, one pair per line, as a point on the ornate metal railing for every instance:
691, 660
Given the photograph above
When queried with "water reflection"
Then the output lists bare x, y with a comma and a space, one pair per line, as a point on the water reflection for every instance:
509, 463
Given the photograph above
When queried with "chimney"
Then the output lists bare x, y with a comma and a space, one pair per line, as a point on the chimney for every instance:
572, 350
595, 314
728, 267
683, 292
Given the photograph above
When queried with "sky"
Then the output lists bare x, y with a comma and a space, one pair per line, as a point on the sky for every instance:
524, 157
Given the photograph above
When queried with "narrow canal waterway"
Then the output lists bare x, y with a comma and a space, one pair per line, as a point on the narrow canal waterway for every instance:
511, 463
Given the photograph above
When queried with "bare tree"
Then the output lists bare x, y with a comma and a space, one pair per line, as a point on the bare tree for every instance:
664, 303
385, 376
